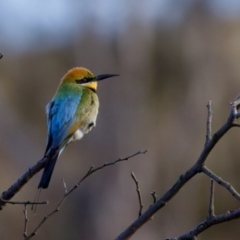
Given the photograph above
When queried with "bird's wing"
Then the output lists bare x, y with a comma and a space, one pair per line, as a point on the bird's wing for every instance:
60, 117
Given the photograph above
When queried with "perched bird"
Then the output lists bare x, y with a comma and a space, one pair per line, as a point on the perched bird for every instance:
70, 114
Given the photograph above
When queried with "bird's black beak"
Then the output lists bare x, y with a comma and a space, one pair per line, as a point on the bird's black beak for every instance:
104, 76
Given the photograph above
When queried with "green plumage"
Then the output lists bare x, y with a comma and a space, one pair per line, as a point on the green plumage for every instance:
70, 114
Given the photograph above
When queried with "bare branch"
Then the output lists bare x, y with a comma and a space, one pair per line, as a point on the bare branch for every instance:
207, 223
211, 200
138, 193
23, 202
15, 188
209, 122
25, 222
34, 232
67, 193
221, 182
93, 170
185, 177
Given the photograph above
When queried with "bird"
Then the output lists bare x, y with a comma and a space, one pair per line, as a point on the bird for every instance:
71, 114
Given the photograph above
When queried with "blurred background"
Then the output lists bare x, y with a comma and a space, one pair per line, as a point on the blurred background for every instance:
173, 56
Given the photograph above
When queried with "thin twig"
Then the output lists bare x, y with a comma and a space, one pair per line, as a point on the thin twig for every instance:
211, 200
22, 202
153, 193
25, 221
93, 170
221, 182
64, 185
154, 196
209, 122
89, 172
138, 194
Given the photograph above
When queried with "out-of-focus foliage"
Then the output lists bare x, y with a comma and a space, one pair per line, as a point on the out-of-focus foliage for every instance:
168, 73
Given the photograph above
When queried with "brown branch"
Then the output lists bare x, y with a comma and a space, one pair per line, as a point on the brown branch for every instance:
67, 193
221, 182
185, 177
138, 193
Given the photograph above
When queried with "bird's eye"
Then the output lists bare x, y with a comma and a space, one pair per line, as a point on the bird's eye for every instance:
82, 80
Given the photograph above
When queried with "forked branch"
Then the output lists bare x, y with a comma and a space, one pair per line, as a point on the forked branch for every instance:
91, 170
198, 167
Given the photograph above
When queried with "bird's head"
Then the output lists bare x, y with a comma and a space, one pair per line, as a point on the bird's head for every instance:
83, 76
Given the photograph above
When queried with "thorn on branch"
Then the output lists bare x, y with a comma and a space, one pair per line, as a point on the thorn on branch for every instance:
138, 193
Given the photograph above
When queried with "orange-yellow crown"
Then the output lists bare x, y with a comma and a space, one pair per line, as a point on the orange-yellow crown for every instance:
79, 73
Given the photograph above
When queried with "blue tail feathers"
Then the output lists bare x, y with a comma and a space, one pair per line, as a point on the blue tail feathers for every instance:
48, 170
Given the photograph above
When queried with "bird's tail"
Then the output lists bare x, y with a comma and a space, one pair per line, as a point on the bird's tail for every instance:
35, 201
48, 170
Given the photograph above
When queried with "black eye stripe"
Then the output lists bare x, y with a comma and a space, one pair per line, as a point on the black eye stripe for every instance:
84, 80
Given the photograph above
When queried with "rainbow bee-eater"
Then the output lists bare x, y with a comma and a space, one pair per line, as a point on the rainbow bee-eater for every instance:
70, 114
